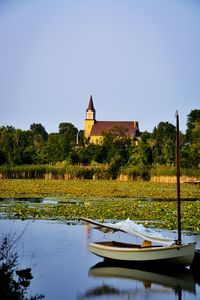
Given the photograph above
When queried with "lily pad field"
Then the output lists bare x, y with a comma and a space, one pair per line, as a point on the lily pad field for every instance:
153, 203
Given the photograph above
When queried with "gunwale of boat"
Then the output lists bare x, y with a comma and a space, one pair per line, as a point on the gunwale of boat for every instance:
125, 247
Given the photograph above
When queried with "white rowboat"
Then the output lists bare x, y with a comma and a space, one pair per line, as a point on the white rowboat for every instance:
180, 255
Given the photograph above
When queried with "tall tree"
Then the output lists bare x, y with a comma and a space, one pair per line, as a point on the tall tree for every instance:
190, 152
7, 144
40, 137
67, 138
69, 131
117, 143
39, 130
53, 149
193, 126
164, 151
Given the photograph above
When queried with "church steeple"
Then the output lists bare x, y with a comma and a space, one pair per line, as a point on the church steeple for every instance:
90, 105
90, 111
89, 119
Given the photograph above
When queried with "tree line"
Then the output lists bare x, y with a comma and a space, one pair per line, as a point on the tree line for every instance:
118, 150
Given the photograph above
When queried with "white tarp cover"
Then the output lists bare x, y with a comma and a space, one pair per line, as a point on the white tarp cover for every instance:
133, 228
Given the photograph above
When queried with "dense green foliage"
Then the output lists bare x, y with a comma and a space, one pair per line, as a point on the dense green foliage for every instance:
117, 152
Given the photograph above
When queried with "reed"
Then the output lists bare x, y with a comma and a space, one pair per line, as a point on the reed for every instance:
136, 172
53, 172
171, 171
23, 172
89, 172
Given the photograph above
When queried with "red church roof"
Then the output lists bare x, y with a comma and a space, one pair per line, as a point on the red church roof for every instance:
104, 126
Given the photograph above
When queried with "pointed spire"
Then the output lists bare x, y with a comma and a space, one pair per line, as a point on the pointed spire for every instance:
91, 105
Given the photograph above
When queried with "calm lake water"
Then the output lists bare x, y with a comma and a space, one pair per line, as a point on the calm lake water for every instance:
63, 268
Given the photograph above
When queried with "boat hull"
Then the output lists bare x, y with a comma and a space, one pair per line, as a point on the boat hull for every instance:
181, 255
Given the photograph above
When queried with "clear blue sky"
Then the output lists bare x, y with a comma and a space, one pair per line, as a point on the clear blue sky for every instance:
140, 59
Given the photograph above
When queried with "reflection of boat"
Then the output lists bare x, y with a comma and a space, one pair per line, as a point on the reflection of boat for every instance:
166, 251
122, 281
177, 280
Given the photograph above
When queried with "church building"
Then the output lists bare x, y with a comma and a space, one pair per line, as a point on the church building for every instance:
93, 131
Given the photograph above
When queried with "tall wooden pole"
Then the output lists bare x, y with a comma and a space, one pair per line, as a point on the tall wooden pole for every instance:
178, 180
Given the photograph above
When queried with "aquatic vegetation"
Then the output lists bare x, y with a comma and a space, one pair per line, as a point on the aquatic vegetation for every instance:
151, 212
94, 189
102, 199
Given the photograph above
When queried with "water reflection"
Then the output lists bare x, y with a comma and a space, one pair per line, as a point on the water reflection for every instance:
134, 282
47, 200
103, 290
181, 279
57, 253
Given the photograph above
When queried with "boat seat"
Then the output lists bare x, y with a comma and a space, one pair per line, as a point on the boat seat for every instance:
146, 244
